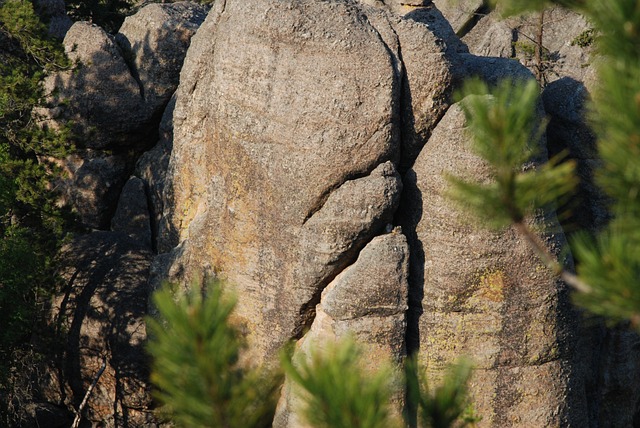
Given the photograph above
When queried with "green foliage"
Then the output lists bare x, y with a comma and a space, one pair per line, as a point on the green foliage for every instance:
608, 265
195, 363
447, 405
200, 382
502, 126
32, 223
339, 392
108, 14
584, 39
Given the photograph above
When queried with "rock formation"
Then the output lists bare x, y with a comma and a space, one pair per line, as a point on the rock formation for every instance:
113, 99
300, 136
296, 147
485, 294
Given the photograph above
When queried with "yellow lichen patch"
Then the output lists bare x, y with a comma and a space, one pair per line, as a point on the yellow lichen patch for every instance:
492, 284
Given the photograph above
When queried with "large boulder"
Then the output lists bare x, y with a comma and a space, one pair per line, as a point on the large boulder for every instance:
115, 94
100, 97
487, 296
286, 136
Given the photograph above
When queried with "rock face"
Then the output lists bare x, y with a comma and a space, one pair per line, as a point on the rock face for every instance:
114, 99
132, 216
155, 42
367, 300
101, 97
54, 13
93, 186
461, 14
117, 91
565, 40
284, 149
485, 295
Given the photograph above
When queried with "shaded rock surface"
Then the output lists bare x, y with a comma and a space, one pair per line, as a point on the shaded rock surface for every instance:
54, 13
92, 185
116, 93
155, 42
461, 14
152, 167
114, 99
98, 319
569, 134
100, 97
132, 215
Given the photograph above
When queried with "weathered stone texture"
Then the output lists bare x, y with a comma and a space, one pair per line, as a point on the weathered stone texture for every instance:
461, 14
284, 150
120, 86
132, 214
485, 295
99, 317
368, 302
515, 37
92, 184
155, 41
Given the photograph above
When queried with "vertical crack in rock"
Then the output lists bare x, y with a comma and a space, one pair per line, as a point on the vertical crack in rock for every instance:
128, 56
367, 301
485, 295
292, 122
483, 10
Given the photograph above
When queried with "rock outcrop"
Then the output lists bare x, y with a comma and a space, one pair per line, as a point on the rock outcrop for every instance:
486, 295
120, 85
301, 134
114, 97
284, 149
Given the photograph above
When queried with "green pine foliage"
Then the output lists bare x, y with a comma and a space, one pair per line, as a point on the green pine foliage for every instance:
447, 405
338, 391
32, 224
608, 265
200, 383
503, 125
195, 368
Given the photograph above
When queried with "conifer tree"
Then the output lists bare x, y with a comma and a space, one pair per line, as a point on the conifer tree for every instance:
196, 368
31, 222
608, 266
